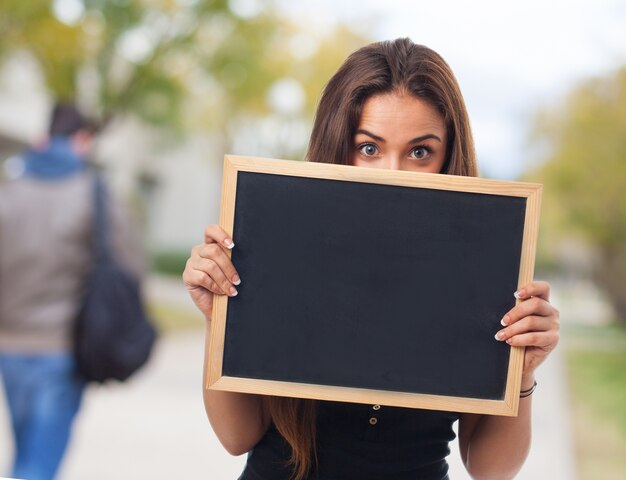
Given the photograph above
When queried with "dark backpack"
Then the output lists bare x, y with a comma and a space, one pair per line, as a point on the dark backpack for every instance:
113, 337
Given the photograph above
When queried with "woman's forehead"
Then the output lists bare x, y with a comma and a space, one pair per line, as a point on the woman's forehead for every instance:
390, 112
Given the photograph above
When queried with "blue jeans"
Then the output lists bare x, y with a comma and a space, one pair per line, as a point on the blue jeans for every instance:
44, 396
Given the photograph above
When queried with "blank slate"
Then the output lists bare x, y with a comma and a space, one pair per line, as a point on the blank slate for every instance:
372, 286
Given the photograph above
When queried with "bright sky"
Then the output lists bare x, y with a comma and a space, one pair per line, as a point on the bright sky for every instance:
509, 57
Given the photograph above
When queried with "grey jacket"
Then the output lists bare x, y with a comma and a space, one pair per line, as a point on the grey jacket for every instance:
45, 256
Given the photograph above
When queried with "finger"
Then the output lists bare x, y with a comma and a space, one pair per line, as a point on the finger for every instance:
528, 324
216, 253
215, 234
213, 270
195, 279
533, 306
534, 289
544, 340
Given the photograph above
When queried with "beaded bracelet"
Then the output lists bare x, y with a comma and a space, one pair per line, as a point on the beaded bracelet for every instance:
529, 392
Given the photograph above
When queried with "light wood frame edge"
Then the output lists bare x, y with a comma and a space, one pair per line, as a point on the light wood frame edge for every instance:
220, 302
526, 274
362, 395
381, 176
234, 164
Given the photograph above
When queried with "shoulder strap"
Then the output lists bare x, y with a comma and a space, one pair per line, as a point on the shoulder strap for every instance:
102, 248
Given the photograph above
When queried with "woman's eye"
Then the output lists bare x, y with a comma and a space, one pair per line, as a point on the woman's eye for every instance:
368, 149
420, 152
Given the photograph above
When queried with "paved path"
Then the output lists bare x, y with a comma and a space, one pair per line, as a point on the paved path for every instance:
154, 427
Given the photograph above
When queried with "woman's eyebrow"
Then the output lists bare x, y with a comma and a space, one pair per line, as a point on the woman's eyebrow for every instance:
425, 137
370, 134
411, 142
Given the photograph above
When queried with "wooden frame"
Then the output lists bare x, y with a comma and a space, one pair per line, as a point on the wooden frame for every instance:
235, 164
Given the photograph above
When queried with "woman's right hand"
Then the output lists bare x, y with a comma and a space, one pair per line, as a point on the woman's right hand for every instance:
209, 270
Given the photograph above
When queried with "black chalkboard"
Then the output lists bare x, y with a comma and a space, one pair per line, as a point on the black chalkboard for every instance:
372, 286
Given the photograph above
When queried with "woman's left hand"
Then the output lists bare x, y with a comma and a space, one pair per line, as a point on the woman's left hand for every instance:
533, 323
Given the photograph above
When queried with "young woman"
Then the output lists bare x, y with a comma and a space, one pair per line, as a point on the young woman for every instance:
391, 105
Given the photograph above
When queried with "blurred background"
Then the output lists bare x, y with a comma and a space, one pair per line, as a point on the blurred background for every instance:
179, 83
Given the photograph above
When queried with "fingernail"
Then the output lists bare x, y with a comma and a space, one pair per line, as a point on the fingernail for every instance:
229, 243
499, 336
236, 280
233, 292
519, 294
505, 321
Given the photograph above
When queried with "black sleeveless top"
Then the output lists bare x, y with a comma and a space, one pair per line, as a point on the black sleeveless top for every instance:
364, 442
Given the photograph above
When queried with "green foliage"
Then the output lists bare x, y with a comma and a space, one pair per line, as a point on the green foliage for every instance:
32, 26
585, 175
596, 361
186, 65
132, 51
170, 262
586, 169
599, 379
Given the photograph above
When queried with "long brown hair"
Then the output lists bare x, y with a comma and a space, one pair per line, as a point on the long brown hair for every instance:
393, 66
384, 67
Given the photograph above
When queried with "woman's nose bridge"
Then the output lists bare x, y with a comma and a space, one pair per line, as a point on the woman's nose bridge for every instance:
392, 161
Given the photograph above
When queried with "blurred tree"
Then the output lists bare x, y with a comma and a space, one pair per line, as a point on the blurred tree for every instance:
293, 95
585, 176
119, 56
188, 65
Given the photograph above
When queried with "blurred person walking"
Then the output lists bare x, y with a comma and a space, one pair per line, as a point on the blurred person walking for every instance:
45, 257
